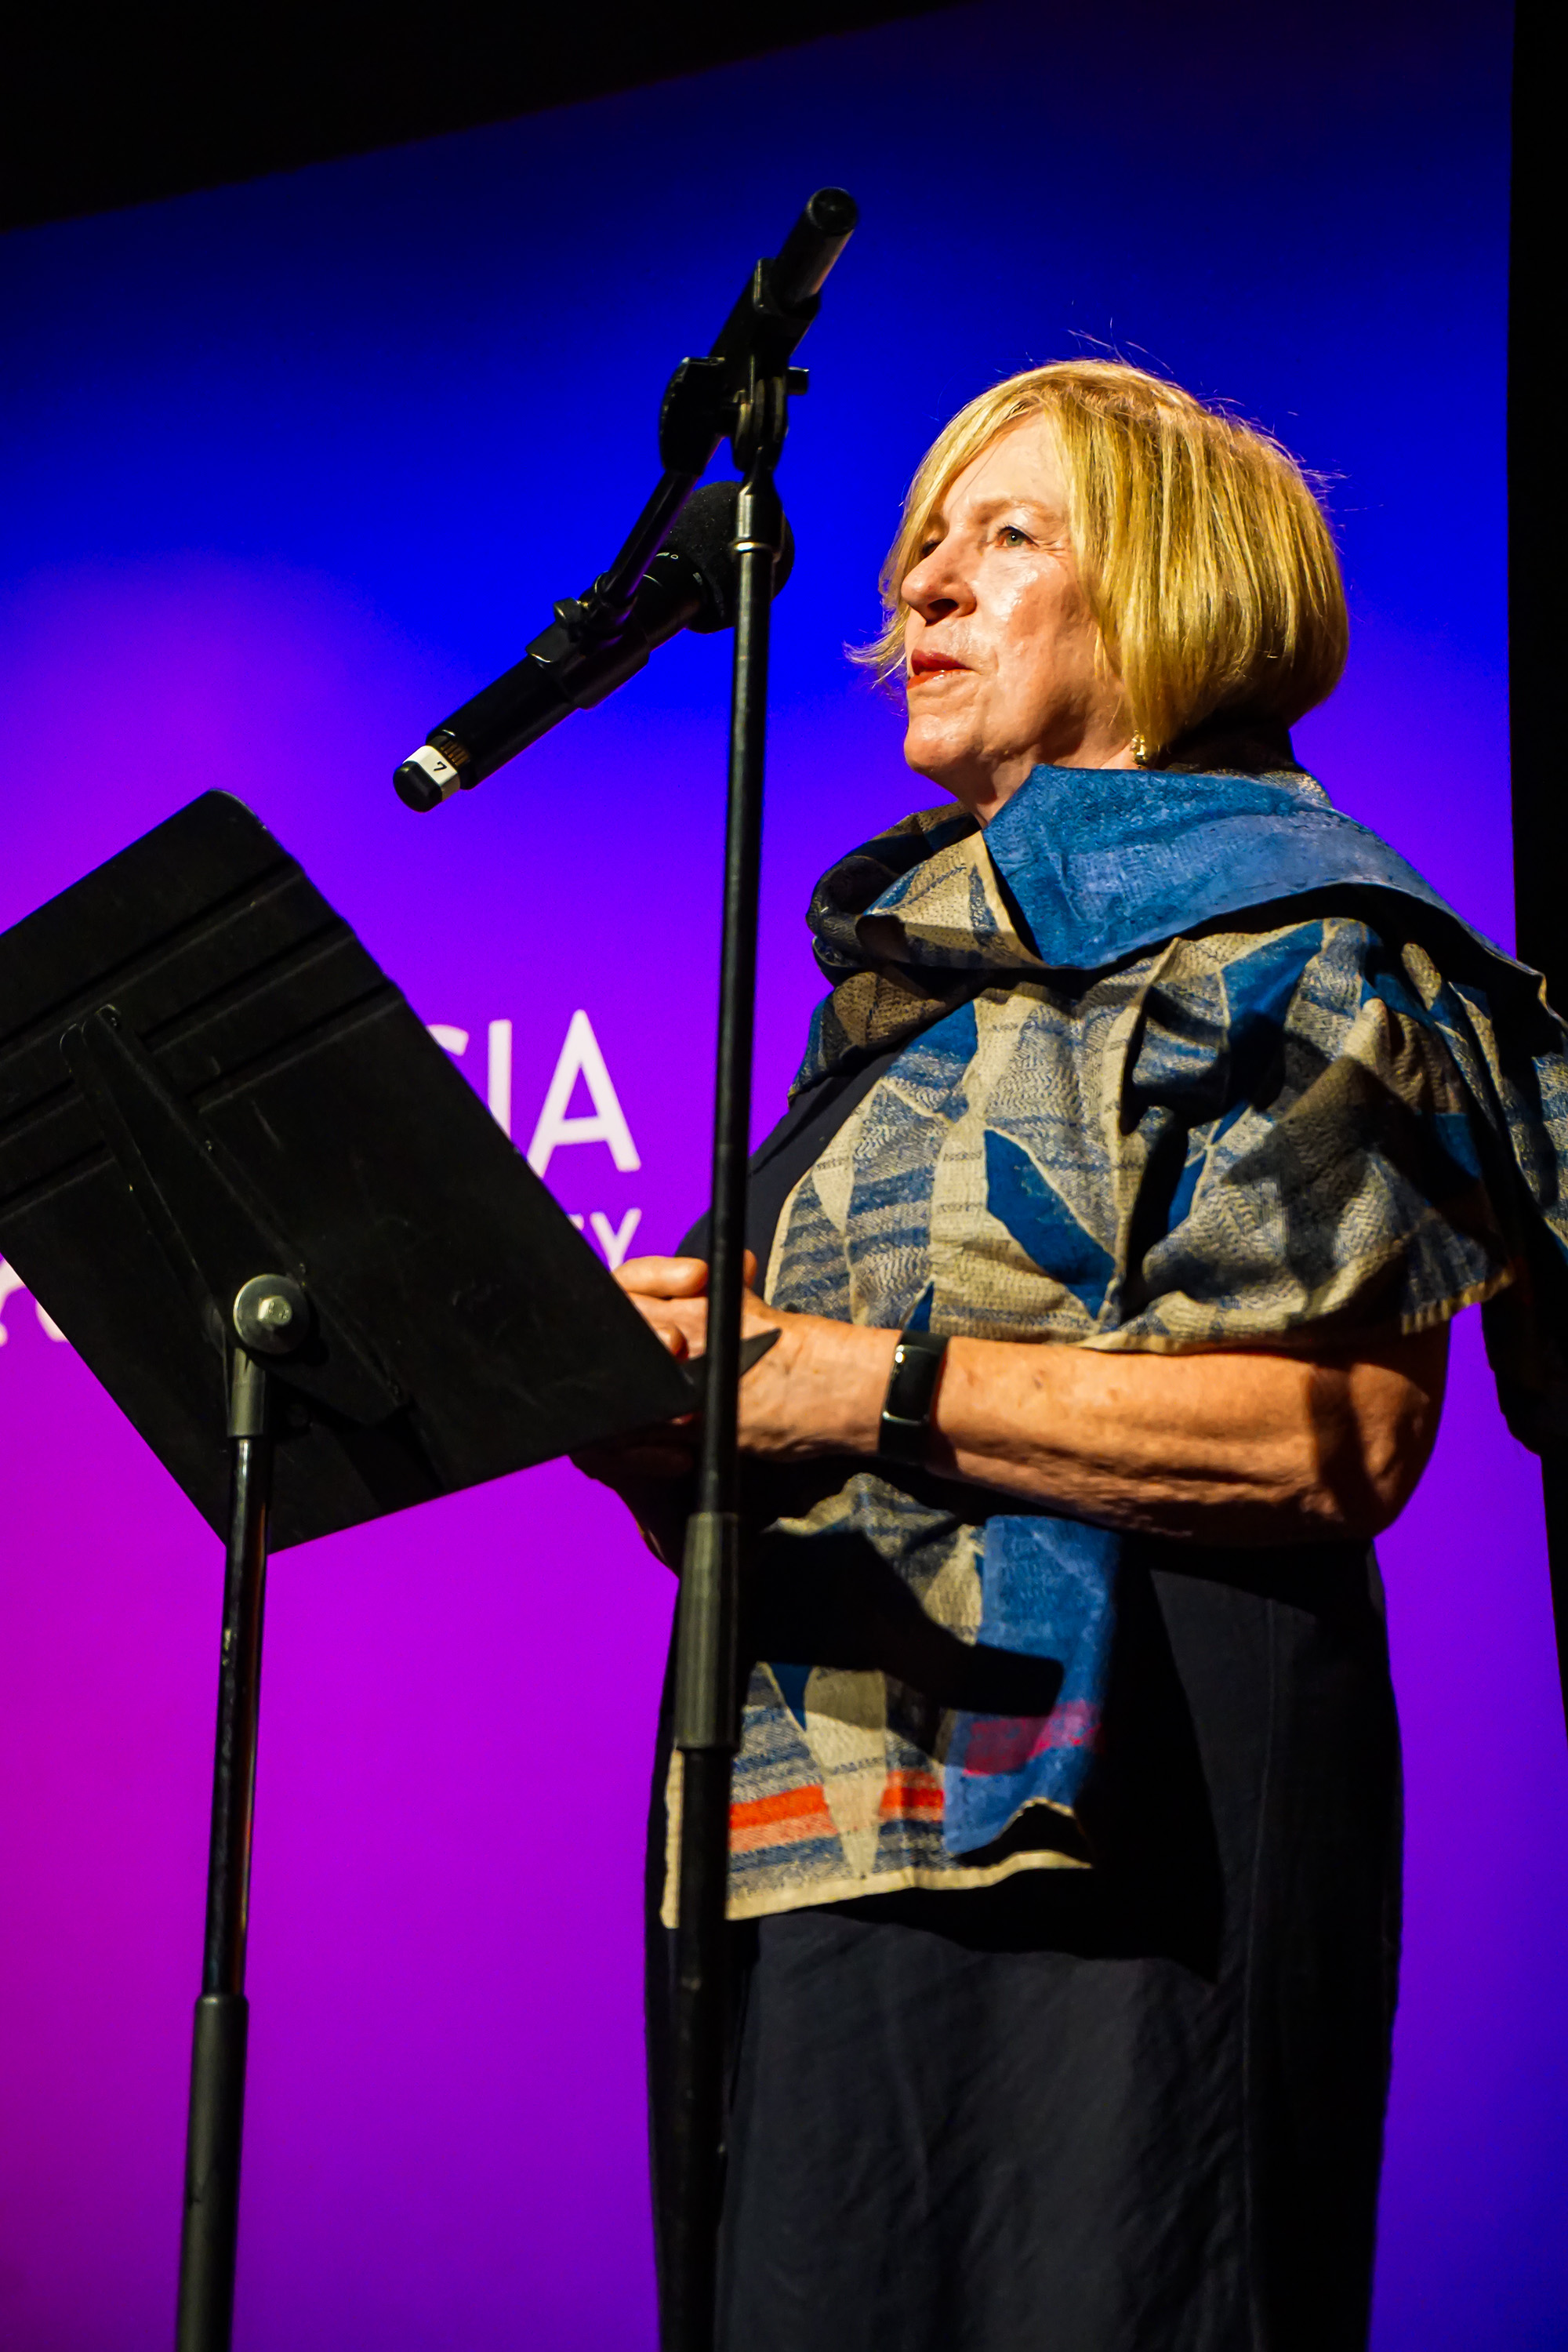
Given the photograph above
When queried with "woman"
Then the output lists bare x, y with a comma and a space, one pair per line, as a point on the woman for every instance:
1160, 1119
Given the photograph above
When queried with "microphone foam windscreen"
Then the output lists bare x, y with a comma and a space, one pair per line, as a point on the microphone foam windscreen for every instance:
701, 534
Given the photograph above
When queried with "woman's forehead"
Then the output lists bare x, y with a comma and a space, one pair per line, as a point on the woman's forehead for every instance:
1021, 462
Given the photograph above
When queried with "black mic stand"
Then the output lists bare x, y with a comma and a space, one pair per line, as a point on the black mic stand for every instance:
740, 391
707, 1696
707, 1693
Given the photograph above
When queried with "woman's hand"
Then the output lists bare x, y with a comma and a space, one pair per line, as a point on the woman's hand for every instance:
650, 1469
818, 1390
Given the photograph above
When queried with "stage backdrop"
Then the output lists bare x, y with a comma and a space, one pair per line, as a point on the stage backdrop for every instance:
289, 470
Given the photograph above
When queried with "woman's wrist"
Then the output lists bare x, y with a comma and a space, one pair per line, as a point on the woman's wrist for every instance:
838, 1374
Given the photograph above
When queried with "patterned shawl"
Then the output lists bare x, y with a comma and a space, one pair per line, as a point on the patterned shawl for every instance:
1188, 1061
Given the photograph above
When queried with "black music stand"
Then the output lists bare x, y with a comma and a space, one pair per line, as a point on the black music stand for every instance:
297, 1250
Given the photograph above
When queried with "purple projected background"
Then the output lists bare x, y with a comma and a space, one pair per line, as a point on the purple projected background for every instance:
291, 468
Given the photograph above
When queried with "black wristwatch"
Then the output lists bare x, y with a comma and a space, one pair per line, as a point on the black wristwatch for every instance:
906, 1415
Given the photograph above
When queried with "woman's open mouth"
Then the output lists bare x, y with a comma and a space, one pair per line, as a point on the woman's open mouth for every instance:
925, 664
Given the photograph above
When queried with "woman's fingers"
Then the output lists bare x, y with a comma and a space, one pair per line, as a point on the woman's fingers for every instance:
681, 1323
664, 1277
673, 1277
674, 1338
680, 1320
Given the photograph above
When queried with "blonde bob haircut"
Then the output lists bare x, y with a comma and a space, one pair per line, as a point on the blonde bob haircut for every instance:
1204, 554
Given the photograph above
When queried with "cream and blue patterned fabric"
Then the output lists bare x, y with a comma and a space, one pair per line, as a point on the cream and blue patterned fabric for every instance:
1188, 1061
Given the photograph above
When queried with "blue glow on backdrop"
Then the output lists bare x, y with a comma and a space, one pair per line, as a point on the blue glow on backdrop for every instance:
293, 467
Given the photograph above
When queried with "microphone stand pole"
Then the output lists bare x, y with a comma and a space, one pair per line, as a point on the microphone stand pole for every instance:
706, 1687
739, 389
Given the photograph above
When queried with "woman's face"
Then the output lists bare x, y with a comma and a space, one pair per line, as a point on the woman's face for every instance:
999, 649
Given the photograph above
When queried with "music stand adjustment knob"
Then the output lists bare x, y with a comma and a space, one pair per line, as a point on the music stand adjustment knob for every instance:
271, 1315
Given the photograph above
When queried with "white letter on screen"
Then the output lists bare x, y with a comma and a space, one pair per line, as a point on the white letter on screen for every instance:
615, 1244
10, 1280
581, 1058
455, 1040
500, 1075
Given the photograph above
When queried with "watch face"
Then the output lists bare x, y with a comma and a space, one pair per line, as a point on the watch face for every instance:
917, 1363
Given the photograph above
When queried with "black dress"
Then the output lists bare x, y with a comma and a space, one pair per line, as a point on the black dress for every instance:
1135, 2108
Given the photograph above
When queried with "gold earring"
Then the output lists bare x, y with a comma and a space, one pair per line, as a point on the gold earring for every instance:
1140, 750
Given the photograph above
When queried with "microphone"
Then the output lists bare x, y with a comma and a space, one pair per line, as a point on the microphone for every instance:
689, 584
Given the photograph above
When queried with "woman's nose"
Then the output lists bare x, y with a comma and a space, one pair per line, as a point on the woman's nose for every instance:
936, 587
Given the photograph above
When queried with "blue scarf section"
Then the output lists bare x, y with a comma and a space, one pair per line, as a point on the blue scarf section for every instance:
1105, 861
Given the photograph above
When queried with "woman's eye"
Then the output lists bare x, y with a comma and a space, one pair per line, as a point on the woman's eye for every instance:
1011, 536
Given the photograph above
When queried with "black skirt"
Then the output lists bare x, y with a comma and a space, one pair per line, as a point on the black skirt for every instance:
1137, 2108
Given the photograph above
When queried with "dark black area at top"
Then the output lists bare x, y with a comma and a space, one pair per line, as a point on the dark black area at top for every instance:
110, 105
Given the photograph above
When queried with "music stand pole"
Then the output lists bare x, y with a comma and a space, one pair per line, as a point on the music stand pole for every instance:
210, 2231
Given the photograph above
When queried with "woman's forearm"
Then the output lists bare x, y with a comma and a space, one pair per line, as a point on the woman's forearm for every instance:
1227, 1447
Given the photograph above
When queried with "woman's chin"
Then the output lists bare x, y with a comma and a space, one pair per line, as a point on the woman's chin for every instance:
939, 760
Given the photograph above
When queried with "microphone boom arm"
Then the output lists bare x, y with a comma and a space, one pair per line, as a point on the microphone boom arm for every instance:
597, 641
